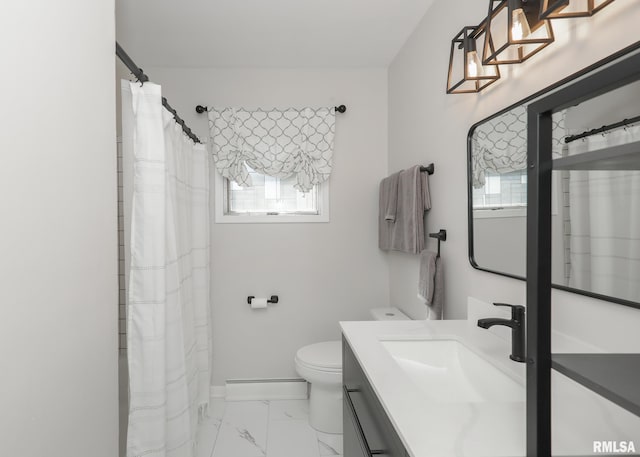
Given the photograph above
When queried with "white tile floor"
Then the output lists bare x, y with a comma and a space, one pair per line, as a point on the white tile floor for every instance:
263, 429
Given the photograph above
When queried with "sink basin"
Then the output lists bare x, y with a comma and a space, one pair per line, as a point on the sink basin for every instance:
447, 371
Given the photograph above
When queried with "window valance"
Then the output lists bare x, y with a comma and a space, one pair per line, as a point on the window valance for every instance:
278, 143
500, 144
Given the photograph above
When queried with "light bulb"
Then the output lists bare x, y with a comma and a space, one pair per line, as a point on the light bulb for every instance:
520, 26
474, 66
516, 32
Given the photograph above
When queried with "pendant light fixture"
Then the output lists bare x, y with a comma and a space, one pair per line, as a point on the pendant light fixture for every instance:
514, 32
467, 74
559, 9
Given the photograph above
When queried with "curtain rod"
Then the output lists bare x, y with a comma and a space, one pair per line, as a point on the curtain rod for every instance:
203, 109
604, 128
142, 78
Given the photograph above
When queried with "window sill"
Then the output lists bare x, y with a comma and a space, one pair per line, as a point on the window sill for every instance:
497, 213
275, 219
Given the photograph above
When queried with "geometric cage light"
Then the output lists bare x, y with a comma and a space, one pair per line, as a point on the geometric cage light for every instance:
514, 31
559, 9
467, 74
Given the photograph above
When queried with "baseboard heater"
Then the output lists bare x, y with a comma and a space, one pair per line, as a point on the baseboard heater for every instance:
262, 389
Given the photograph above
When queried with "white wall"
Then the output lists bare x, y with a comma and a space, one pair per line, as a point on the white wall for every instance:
493, 236
610, 107
58, 245
427, 125
500, 244
323, 273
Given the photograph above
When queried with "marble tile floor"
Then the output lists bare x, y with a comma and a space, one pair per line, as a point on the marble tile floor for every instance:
276, 428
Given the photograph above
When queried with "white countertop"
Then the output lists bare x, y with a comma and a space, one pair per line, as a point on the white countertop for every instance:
437, 429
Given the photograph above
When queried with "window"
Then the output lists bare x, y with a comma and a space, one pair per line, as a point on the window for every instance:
503, 194
506, 190
270, 200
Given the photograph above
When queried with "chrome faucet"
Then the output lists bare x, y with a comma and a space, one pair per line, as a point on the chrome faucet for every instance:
517, 325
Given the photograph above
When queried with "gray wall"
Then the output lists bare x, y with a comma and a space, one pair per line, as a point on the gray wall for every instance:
58, 237
323, 272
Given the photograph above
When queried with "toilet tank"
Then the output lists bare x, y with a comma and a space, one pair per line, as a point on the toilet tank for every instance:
388, 314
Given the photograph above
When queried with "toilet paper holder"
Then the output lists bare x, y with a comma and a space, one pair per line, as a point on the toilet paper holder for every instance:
273, 299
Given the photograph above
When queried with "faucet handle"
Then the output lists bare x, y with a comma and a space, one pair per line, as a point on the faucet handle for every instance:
517, 311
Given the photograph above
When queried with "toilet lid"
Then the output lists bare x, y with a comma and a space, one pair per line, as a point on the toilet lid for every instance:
322, 355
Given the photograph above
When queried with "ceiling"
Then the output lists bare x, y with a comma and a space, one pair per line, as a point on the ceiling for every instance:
266, 33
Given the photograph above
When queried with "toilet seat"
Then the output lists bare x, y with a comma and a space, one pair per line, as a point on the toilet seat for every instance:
325, 356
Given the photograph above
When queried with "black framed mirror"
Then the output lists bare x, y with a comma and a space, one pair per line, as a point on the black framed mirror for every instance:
497, 199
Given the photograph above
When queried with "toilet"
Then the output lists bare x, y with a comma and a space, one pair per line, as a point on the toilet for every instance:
320, 364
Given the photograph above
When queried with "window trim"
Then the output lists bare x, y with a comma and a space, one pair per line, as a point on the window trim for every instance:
240, 218
505, 211
521, 210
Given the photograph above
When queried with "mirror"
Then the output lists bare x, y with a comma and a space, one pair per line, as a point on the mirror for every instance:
498, 191
595, 212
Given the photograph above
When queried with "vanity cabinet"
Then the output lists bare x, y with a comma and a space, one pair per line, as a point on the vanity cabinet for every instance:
367, 429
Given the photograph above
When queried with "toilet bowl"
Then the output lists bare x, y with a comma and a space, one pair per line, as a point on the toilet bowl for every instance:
320, 364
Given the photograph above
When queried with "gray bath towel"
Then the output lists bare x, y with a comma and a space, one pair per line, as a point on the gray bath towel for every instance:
407, 233
387, 210
431, 284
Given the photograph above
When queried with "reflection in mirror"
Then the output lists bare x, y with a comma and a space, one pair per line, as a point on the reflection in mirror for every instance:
601, 198
499, 189
595, 206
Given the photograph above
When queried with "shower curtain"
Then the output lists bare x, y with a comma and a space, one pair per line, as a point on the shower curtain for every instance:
168, 330
605, 223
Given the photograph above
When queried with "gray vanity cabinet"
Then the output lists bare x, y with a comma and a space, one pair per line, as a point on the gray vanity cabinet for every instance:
367, 429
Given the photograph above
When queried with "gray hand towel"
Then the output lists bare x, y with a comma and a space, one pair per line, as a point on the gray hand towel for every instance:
391, 204
431, 284
407, 234
426, 195
387, 210
426, 276
436, 308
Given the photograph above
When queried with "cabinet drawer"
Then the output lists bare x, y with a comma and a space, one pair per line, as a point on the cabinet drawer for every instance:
353, 443
364, 416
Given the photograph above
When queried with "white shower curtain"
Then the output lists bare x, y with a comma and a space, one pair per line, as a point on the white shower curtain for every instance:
605, 223
168, 331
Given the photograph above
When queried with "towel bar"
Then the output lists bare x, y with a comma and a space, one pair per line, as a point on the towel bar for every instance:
429, 168
440, 236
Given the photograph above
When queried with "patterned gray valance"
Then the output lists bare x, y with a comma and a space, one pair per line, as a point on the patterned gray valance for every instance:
500, 144
278, 143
